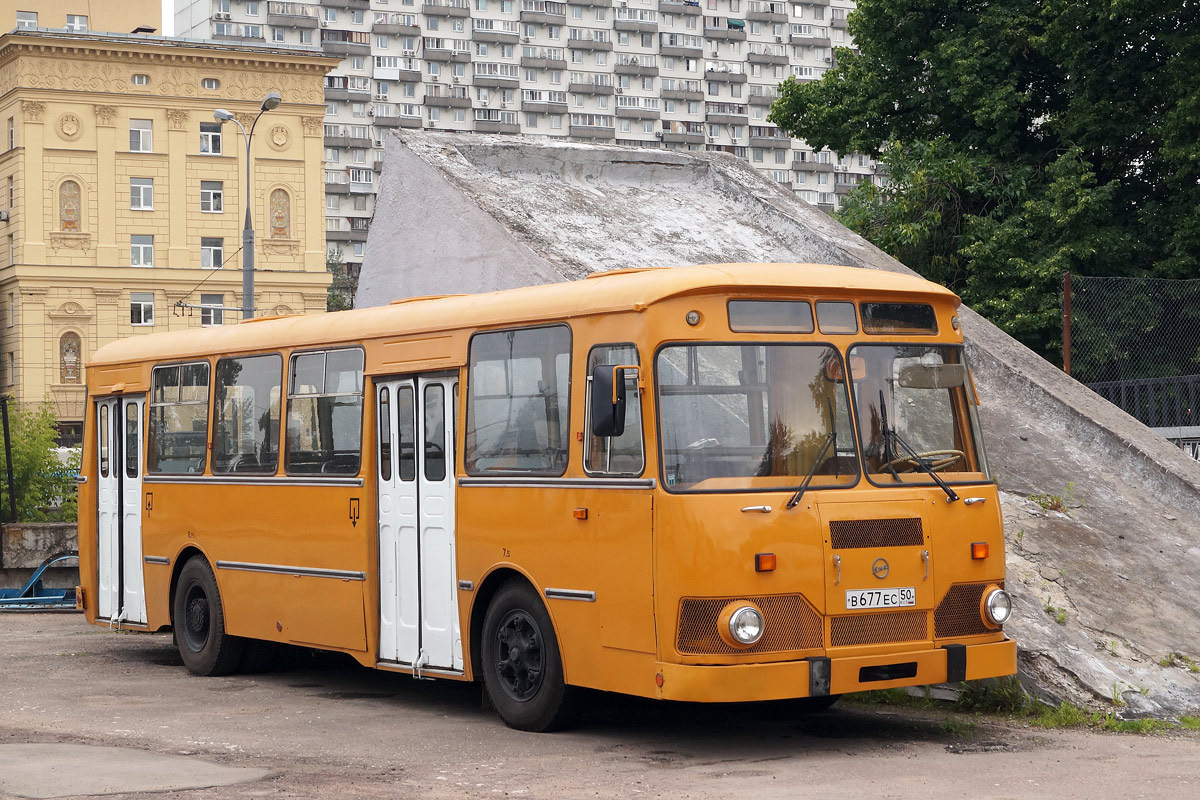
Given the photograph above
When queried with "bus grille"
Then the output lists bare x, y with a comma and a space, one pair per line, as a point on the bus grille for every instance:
894, 626
847, 534
791, 624
958, 613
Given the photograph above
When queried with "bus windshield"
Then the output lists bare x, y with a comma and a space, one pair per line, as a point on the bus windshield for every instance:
746, 417
916, 414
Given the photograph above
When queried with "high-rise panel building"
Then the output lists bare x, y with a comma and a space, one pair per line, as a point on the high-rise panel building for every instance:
675, 74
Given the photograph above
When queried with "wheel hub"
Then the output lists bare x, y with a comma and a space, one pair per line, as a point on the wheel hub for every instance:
519, 655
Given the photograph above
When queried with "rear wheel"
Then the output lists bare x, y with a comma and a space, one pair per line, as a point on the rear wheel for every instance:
198, 620
522, 669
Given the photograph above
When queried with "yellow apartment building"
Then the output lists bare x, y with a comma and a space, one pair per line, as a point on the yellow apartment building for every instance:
123, 16
122, 198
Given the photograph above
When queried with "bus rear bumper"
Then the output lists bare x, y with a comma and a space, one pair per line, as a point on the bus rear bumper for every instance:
791, 679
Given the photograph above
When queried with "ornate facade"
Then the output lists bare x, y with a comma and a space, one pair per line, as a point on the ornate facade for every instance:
122, 198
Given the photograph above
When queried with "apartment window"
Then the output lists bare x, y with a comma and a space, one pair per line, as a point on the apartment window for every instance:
356, 17
360, 202
12, 309
77, 22
141, 250
141, 135
333, 202
27, 20
277, 34
141, 308
141, 194
252, 8
12, 134
211, 196
211, 311
210, 138
358, 249
212, 252
306, 36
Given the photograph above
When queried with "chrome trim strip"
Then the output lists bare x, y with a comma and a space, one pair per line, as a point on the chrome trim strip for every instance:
81, 479
570, 594
255, 480
157, 560
516, 481
300, 572
467, 586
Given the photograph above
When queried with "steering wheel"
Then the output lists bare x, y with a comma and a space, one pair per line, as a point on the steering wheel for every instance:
934, 459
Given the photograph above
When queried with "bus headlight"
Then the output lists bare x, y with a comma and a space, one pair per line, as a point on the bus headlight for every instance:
997, 606
741, 625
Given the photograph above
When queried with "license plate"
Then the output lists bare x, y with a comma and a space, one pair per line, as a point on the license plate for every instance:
897, 597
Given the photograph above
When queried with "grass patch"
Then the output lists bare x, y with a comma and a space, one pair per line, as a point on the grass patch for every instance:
1189, 723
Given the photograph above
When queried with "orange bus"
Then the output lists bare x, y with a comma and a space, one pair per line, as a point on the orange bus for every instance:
734, 482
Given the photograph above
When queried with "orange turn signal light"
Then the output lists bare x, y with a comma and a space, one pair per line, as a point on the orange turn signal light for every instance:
764, 562
979, 550
581, 513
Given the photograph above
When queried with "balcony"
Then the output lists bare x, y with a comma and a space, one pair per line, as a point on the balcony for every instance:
688, 9
767, 58
839, 24
393, 29
543, 107
725, 34
681, 51
762, 98
811, 40
774, 142
355, 5
813, 166
590, 132
635, 26
767, 12
496, 81
492, 35
682, 138
291, 15
724, 77
543, 63
446, 101
446, 8
447, 56
643, 70
488, 126
637, 112
588, 44
682, 94
591, 88
342, 47
395, 121
345, 236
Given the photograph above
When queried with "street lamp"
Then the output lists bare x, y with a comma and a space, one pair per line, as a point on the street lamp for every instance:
271, 101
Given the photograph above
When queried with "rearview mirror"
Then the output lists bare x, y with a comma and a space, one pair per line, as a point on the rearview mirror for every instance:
933, 376
608, 399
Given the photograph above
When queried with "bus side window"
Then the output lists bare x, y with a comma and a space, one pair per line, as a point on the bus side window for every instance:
324, 423
624, 454
385, 435
178, 430
246, 422
518, 401
131, 440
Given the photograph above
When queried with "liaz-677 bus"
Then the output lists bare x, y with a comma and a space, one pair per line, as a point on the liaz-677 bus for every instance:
734, 482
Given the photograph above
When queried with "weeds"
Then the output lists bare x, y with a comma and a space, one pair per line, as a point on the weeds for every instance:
1179, 660
1050, 502
1118, 698
1189, 723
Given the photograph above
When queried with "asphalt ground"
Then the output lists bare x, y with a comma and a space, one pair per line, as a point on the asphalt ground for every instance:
322, 727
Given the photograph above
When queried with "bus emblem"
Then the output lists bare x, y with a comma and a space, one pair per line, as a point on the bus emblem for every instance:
880, 568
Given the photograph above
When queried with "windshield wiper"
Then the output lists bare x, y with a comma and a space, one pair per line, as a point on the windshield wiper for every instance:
795, 498
889, 452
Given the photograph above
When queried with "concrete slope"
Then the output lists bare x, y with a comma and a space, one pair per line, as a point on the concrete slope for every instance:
1119, 569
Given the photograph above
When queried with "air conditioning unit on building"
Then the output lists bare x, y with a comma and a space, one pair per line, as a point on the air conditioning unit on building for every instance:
371, 111
220, 15
619, 90
457, 79
432, 123
379, 96
828, 59
526, 40
712, 139
324, 23
408, 53
779, 38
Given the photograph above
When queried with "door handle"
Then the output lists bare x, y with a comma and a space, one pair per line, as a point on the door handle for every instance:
925, 559
837, 563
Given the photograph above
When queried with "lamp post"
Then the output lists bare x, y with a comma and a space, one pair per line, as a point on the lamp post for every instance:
271, 101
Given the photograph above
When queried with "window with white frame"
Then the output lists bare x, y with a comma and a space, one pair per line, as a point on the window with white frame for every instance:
212, 196
77, 22
212, 252
141, 135
211, 311
141, 308
141, 194
141, 250
210, 138
27, 20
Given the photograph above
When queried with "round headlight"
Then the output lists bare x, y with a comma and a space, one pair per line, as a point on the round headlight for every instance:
746, 626
997, 606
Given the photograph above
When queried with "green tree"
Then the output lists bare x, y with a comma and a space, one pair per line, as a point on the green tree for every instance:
40, 480
341, 291
1022, 139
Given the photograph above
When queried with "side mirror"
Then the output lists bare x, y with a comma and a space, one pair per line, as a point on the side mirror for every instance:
608, 399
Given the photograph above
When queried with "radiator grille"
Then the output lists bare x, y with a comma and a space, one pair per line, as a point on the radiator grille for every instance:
958, 613
791, 624
847, 534
894, 626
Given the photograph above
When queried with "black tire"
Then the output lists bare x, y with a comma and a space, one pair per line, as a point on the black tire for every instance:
522, 668
198, 620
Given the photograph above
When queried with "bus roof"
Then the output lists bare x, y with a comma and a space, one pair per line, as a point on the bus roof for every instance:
603, 292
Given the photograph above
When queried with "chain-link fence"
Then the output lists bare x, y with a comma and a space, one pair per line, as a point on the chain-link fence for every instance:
1136, 342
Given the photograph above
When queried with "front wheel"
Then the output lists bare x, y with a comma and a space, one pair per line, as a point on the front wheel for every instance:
198, 620
522, 669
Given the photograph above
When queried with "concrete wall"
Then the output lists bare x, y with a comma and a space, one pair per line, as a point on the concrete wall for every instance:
25, 545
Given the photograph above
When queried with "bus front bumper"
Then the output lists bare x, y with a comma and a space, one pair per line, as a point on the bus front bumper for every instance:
791, 679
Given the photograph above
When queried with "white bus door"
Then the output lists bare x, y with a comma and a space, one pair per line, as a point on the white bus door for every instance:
119, 426
418, 598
